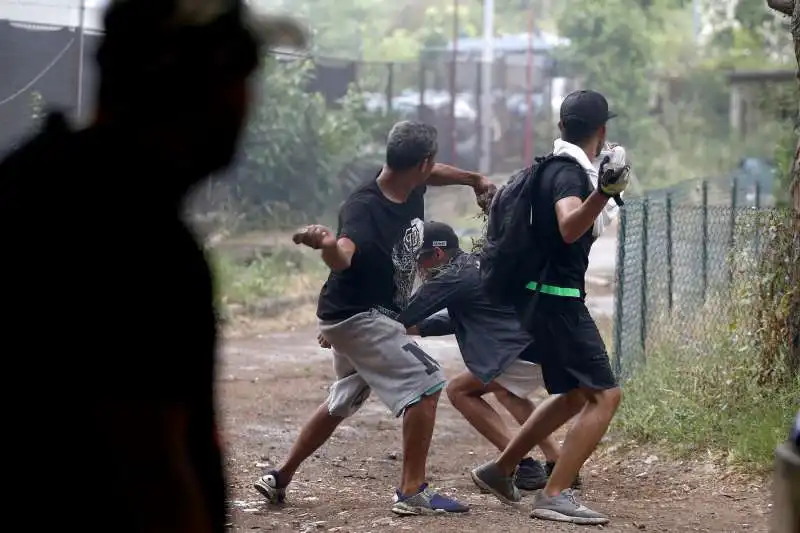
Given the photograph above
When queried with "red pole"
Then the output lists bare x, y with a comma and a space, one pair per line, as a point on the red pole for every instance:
453, 87
529, 93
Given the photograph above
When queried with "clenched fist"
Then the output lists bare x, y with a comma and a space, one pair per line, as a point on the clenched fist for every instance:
614, 172
323, 342
315, 236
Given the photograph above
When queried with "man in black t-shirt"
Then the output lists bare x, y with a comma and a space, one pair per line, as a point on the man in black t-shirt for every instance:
573, 357
373, 268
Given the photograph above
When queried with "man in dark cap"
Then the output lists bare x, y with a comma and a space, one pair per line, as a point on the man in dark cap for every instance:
123, 432
500, 357
565, 209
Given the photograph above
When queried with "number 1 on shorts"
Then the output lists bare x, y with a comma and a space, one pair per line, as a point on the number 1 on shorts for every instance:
430, 363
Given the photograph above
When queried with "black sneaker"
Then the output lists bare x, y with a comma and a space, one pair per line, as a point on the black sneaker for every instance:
550, 465
270, 487
530, 475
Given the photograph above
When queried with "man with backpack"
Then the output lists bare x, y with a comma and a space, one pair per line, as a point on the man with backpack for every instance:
541, 228
498, 354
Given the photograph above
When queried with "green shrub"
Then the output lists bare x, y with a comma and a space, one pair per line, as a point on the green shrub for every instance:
284, 273
298, 152
723, 378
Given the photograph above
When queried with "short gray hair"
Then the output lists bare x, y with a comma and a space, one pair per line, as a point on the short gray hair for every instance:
409, 144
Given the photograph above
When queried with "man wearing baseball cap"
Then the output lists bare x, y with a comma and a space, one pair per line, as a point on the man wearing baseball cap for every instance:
565, 206
498, 354
126, 367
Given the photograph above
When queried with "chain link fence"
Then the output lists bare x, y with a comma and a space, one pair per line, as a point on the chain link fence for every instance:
675, 258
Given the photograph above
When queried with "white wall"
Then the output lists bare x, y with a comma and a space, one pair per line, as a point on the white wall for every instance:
54, 12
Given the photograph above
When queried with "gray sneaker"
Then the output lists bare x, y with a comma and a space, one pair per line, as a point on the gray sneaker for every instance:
566, 508
489, 478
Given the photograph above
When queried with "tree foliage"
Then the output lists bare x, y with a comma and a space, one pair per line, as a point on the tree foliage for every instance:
610, 53
297, 150
377, 30
669, 85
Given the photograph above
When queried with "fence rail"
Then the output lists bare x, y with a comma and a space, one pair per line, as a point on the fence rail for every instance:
674, 252
48, 65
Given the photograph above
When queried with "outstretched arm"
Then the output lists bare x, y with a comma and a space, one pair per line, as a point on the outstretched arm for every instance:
782, 6
339, 250
433, 296
443, 175
436, 325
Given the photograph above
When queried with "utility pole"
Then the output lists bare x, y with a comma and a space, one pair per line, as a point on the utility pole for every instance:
487, 65
696, 20
81, 48
529, 92
454, 87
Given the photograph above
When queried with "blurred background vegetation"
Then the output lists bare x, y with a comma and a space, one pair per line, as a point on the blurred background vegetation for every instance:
668, 75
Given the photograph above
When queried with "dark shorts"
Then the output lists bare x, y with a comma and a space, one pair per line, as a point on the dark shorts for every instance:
569, 346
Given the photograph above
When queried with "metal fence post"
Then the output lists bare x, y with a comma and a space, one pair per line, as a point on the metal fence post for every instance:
389, 86
757, 199
732, 234
668, 208
756, 232
704, 244
619, 292
643, 323
453, 89
479, 117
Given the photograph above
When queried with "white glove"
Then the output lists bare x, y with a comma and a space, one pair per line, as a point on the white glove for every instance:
614, 172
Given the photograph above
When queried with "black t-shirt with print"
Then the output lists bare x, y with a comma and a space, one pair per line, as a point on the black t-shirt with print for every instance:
567, 262
387, 236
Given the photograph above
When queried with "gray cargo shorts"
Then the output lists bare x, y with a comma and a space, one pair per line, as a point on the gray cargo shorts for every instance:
373, 352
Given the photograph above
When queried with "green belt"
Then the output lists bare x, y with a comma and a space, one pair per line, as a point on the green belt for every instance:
553, 290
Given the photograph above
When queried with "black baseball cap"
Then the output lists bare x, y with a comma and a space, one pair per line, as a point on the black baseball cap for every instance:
437, 235
589, 108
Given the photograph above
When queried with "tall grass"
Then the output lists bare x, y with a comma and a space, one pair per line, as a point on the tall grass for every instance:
270, 276
722, 377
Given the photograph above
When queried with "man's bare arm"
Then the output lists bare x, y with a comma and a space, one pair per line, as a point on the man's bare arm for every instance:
443, 175
576, 217
339, 256
337, 253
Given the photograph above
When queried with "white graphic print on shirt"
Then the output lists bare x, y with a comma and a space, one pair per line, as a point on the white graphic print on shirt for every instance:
404, 256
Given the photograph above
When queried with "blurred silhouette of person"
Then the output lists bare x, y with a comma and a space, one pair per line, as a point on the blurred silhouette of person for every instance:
108, 292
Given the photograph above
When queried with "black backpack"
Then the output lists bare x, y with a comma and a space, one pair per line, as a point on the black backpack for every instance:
510, 249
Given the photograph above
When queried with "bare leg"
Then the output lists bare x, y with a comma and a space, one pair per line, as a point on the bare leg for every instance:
464, 392
583, 437
521, 409
418, 422
551, 414
314, 434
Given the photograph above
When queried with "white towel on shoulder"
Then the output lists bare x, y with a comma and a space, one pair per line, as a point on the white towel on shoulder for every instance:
611, 210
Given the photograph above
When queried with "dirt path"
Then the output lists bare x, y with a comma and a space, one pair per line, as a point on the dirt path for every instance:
270, 384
